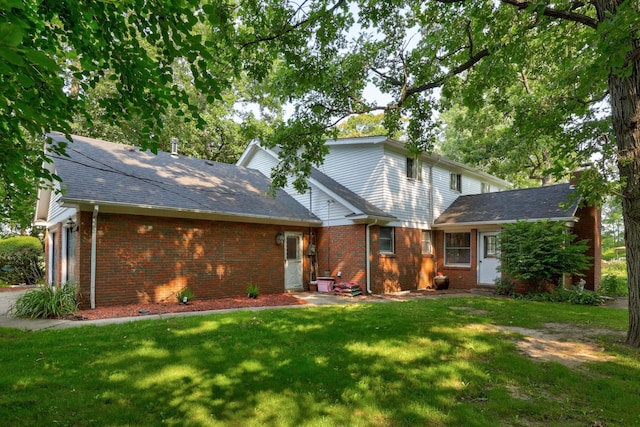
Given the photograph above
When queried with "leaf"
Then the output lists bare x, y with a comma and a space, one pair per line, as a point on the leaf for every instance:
43, 60
10, 35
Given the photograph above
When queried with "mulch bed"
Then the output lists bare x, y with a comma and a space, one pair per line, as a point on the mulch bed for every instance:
146, 309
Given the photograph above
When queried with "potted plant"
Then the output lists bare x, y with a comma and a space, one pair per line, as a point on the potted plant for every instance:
441, 281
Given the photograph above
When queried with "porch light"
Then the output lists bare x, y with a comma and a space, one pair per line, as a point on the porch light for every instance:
279, 238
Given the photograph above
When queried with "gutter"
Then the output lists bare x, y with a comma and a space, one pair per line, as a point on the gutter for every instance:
368, 254
94, 245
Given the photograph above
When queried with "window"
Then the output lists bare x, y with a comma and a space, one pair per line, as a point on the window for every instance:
413, 170
456, 182
386, 239
457, 249
485, 188
427, 248
490, 246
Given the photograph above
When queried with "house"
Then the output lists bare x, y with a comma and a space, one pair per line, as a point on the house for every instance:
130, 226
390, 220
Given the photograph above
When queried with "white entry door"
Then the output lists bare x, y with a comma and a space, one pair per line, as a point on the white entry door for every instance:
488, 261
292, 261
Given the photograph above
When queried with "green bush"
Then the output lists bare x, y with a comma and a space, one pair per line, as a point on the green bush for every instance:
504, 286
253, 291
560, 294
541, 252
613, 286
47, 302
21, 260
185, 293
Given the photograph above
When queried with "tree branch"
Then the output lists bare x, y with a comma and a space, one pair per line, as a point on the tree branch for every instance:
568, 15
291, 27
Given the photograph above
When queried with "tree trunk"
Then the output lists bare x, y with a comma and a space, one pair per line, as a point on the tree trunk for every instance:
624, 91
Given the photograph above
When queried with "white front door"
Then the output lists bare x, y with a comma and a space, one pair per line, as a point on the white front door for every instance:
488, 261
292, 261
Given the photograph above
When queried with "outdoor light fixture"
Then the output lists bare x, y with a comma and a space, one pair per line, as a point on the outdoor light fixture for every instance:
71, 224
279, 238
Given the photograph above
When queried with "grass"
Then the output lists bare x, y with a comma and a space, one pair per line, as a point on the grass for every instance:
403, 363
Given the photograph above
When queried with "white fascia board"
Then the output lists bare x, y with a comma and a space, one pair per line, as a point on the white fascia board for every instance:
478, 224
248, 152
124, 208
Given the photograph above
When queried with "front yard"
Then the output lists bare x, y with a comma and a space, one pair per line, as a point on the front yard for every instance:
449, 362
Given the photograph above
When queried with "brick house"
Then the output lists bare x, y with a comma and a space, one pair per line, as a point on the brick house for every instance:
130, 226
390, 220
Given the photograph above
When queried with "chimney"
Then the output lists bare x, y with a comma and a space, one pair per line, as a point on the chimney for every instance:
174, 148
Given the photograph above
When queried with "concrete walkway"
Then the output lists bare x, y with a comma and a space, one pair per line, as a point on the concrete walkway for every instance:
8, 298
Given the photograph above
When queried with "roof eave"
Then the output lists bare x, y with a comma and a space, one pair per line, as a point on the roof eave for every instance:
139, 209
472, 224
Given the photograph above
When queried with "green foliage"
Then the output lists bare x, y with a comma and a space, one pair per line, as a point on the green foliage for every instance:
613, 286
253, 291
560, 294
52, 54
21, 260
47, 302
504, 286
541, 251
185, 293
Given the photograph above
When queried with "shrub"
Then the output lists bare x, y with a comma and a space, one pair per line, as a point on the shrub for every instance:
47, 302
253, 291
504, 286
613, 286
541, 252
21, 260
185, 293
560, 294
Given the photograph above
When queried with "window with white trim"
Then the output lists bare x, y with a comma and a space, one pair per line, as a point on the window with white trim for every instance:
457, 249
427, 247
456, 182
386, 240
485, 188
413, 168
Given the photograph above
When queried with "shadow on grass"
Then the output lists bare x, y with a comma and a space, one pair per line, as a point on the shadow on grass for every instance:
413, 363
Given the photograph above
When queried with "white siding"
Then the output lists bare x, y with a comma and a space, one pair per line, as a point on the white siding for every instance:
55, 208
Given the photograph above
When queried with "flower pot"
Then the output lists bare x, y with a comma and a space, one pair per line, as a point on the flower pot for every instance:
313, 286
441, 282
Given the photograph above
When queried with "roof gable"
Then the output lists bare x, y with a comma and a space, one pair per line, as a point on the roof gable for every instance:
554, 202
101, 172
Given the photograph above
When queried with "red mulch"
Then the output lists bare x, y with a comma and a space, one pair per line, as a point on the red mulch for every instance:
145, 309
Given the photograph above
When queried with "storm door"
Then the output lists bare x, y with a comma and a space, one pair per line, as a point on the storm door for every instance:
292, 261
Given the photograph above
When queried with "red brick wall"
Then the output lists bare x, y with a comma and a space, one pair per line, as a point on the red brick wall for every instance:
141, 258
459, 277
406, 268
588, 228
343, 249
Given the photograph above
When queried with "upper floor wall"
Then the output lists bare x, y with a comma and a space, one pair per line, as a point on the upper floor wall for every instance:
377, 169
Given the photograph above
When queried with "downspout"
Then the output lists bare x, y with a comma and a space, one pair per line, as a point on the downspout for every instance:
368, 254
94, 245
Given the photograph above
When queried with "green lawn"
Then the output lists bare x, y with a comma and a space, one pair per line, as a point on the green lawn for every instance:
425, 362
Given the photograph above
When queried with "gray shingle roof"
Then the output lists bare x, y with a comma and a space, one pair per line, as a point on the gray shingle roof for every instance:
364, 206
97, 171
550, 202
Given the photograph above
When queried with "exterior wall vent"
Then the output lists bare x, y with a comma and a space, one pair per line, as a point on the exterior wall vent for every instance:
174, 148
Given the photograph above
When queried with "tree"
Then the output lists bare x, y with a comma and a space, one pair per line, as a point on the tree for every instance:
583, 52
53, 52
367, 124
